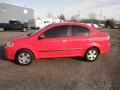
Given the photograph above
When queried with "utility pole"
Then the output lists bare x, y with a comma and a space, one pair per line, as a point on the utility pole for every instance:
78, 14
92, 16
101, 7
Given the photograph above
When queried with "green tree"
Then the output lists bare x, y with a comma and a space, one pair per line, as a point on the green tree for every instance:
62, 17
109, 23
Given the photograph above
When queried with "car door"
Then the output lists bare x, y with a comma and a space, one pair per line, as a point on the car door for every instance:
18, 25
15, 25
78, 40
11, 24
54, 43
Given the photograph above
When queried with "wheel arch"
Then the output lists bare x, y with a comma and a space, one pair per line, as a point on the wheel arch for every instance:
92, 47
24, 49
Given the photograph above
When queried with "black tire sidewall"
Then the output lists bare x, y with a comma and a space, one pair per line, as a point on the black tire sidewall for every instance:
86, 58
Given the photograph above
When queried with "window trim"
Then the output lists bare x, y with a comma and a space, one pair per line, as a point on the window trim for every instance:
57, 37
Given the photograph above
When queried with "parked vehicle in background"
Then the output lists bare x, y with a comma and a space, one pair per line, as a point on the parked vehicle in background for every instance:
116, 26
93, 25
58, 40
14, 25
40, 23
101, 25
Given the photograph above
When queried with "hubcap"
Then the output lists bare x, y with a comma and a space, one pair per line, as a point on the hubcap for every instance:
24, 58
92, 55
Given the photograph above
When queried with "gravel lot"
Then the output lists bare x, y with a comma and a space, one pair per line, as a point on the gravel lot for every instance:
62, 73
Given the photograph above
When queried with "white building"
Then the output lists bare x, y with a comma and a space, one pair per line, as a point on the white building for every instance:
13, 12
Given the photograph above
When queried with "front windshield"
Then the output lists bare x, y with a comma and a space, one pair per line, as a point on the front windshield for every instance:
36, 31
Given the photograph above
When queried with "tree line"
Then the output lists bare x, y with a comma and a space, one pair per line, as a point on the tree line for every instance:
109, 23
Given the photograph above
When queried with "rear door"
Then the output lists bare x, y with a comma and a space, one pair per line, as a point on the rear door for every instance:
78, 40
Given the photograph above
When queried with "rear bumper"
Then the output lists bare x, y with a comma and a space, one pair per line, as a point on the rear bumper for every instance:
105, 48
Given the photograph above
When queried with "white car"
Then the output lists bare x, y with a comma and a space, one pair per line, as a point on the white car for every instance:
94, 25
40, 23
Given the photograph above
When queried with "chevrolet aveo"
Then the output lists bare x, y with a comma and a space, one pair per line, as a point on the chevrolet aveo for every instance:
58, 40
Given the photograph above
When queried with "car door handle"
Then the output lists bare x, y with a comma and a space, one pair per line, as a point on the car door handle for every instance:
88, 39
62, 41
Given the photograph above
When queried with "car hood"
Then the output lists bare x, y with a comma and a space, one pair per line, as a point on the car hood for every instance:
19, 38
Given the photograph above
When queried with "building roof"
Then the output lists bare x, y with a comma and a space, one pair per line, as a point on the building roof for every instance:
15, 5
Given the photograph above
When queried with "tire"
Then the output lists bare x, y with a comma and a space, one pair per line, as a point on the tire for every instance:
24, 57
91, 54
2, 29
24, 30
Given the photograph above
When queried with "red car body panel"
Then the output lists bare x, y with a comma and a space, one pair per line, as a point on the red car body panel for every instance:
60, 47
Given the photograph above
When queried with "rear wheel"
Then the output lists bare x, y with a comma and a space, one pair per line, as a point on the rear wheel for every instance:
24, 29
91, 54
24, 57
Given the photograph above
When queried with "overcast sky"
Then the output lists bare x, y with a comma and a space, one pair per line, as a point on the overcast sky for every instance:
110, 8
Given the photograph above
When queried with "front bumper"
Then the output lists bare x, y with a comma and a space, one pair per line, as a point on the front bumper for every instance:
9, 53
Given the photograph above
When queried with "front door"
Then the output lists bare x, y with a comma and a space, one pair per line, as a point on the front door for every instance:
54, 43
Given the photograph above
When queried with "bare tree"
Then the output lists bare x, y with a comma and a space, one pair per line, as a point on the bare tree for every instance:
49, 15
75, 17
62, 17
92, 16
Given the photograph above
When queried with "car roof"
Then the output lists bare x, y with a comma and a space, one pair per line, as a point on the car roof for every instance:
75, 23
68, 23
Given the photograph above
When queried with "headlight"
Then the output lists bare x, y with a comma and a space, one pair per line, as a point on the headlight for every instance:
9, 44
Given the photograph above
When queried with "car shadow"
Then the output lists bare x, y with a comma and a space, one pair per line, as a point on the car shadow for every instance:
79, 59
17, 30
2, 53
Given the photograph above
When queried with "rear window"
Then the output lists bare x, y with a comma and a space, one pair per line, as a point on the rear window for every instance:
14, 22
79, 31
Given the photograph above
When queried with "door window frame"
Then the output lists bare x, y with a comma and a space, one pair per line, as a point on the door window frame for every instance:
70, 31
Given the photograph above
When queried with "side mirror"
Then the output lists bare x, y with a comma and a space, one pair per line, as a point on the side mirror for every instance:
41, 37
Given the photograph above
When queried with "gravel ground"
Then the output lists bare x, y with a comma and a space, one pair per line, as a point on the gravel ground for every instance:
62, 73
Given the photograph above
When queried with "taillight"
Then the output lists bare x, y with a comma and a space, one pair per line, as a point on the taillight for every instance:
108, 37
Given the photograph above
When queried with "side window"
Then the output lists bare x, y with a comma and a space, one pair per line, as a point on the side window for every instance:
59, 31
17, 22
11, 22
79, 31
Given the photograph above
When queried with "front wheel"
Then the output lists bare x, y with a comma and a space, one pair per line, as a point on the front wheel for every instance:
24, 57
91, 54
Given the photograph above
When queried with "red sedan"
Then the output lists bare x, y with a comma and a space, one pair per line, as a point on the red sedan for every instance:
66, 39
